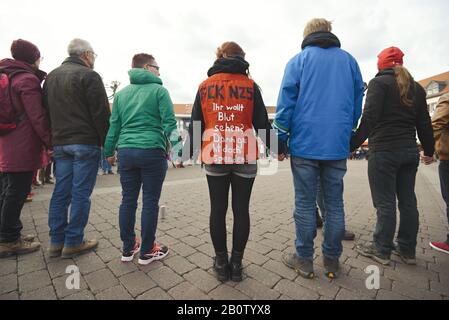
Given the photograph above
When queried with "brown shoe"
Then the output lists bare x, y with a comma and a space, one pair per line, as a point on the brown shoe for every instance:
55, 251
8, 249
87, 245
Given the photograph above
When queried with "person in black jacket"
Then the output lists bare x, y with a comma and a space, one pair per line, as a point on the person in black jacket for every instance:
395, 110
228, 106
76, 99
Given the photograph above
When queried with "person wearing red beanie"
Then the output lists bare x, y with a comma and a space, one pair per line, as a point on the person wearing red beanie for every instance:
390, 57
395, 113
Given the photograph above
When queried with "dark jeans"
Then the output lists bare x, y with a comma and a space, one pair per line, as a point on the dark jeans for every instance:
76, 174
444, 182
219, 194
14, 188
392, 174
146, 169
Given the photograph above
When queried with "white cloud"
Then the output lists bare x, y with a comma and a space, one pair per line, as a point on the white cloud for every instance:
183, 35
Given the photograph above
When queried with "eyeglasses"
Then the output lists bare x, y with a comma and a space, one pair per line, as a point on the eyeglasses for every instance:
93, 54
155, 67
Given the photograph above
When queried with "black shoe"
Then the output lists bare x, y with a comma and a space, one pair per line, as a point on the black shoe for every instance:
406, 258
319, 221
221, 266
236, 266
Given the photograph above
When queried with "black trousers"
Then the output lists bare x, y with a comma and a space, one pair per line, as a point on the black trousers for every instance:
392, 176
14, 188
219, 194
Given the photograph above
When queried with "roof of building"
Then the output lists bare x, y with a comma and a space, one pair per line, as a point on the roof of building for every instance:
442, 78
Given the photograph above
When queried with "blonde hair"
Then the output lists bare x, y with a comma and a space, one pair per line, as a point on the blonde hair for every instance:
404, 80
229, 49
316, 25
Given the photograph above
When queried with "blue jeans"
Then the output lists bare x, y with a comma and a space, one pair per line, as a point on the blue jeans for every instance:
305, 178
105, 165
76, 174
146, 169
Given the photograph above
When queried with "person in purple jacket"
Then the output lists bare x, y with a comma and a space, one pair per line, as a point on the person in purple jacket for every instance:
20, 149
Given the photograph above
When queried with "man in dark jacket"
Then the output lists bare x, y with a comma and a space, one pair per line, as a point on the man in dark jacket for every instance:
21, 148
79, 112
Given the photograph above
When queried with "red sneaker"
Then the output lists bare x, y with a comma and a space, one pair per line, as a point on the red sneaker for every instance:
158, 252
440, 246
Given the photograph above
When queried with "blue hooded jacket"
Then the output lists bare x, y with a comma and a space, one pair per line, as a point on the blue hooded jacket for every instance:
320, 100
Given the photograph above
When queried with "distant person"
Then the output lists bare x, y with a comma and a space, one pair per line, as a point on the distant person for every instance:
24, 131
143, 128
228, 106
395, 110
76, 98
319, 104
440, 124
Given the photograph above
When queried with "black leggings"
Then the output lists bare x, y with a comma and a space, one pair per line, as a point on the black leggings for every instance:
241, 193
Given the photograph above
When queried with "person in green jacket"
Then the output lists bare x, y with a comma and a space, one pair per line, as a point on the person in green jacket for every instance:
143, 128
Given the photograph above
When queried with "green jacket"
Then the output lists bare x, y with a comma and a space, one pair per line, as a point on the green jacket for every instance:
142, 115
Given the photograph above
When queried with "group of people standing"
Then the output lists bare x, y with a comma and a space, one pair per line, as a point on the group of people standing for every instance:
318, 111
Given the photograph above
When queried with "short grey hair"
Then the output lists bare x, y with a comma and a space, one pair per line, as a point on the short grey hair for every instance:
78, 46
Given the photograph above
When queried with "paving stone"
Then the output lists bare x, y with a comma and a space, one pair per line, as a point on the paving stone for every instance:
47, 293
225, 292
109, 254
8, 283
34, 280
101, 280
201, 260
89, 263
10, 296
83, 295
413, 292
179, 264
114, 293
390, 295
202, 279
165, 278
187, 291
262, 275
295, 291
257, 290
280, 269
137, 283
120, 268
8, 266
155, 294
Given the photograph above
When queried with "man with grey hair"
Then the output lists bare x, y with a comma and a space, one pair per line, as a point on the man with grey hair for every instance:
319, 102
79, 111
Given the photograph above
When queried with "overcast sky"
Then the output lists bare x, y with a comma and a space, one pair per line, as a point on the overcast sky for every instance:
183, 35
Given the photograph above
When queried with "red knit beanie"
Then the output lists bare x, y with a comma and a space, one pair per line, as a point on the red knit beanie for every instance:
25, 51
390, 57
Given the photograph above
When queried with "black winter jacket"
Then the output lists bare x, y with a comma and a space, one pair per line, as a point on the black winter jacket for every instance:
77, 103
387, 123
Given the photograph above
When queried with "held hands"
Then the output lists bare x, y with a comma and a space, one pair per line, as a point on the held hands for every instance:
111, 160
426, 159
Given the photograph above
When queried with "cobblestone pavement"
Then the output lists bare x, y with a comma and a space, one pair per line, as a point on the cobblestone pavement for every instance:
186, 272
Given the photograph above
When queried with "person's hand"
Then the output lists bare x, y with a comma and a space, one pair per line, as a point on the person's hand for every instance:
50, 152
111, 160
282, 157
426, 159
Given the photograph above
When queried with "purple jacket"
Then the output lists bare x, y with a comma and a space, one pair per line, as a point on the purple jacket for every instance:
20, 150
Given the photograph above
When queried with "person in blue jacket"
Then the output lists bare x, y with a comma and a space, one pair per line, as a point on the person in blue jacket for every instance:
319, 103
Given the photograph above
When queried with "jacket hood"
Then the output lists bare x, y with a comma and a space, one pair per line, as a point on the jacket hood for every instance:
229, 65
142, 76
321, 39
9, 66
